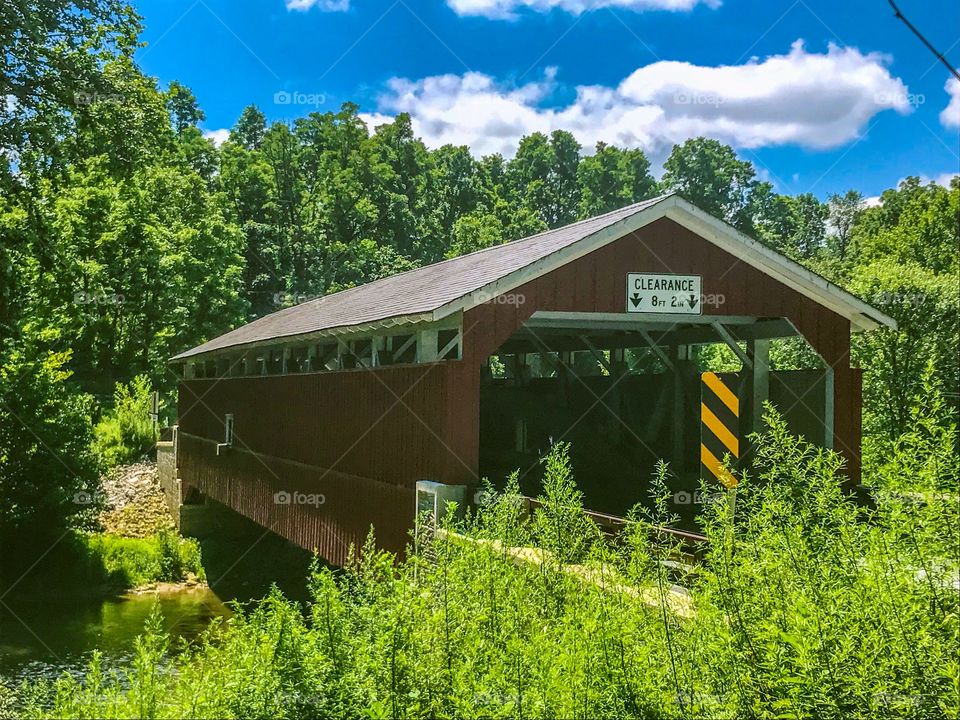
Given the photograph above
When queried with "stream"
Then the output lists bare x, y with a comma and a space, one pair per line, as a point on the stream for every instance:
43, 640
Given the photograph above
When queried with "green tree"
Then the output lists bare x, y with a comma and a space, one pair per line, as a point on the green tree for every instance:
927, 310
182, 106
914, 222
612, 178
47, 469
710, 175
543, 176
845, 211
250, 128
475, 232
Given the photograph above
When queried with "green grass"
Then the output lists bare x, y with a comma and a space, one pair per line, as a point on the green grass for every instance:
132, 562
806, 605
95, 564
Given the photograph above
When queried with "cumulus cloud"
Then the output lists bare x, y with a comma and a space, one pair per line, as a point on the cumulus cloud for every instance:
503, 9
945, 178
324, 5
219, 137
950, 117
800, 98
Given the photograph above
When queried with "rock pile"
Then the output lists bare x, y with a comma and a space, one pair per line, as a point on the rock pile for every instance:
134, 504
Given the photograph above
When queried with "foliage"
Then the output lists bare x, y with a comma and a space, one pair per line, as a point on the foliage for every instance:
46, 463
132, 562
805, 605
127, 430
925, 458
926, 307
710, 175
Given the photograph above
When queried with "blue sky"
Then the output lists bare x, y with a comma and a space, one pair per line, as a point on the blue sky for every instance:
821, 96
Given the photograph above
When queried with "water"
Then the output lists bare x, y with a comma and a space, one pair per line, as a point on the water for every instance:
43, 640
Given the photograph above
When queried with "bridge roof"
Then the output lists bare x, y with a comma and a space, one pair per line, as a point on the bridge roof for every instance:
435, 291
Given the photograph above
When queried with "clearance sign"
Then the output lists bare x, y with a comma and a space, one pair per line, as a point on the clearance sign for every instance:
719, 429
664, 293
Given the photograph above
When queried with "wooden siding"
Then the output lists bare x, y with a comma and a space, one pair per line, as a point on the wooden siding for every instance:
368, 435
597, 283
249, 484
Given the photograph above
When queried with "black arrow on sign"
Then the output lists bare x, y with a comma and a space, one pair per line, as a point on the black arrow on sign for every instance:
635, 300
693, 301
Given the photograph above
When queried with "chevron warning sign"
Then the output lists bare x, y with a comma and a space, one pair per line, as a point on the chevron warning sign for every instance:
719, 428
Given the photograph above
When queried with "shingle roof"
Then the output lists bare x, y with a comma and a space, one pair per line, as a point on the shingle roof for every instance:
416, 291
418, 294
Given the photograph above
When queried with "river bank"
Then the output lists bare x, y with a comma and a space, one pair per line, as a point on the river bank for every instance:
92, 590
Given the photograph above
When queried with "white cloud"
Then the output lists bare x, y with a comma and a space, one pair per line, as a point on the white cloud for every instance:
219, 137
800, 98
504, 9
950, 117
324, 5
945, 178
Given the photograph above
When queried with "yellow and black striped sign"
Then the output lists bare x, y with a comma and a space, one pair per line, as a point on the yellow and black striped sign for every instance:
719, 428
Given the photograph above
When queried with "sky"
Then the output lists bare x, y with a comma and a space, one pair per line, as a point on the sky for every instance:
820, 95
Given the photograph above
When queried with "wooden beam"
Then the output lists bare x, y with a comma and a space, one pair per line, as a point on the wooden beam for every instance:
596, 353
657, 350
398, 353
732, 344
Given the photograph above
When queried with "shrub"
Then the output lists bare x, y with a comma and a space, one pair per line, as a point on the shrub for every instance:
806, 605
47, 470
127, 430
132, 562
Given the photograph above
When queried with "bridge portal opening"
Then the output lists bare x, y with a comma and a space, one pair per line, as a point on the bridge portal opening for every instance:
627, 392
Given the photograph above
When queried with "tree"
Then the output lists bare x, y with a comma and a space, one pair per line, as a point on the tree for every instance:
927, 310
914, 222
709, 174
844, 212
47, 468
613, 178
51, 64
182, 106
543, 176
250, 128
475, 232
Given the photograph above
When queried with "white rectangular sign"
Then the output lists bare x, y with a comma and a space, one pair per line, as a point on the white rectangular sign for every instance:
662, 293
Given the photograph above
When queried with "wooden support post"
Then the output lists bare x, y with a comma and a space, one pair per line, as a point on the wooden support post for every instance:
377, 345
618, 367
759, 353
427, 346
285, 360
681, 354
829, 406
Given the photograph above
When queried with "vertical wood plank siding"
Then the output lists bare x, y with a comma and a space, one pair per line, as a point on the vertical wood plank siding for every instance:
369, 435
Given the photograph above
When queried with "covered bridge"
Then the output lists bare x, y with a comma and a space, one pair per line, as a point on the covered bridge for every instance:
319, 420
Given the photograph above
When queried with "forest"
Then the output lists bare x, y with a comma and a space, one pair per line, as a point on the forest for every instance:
126, 236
